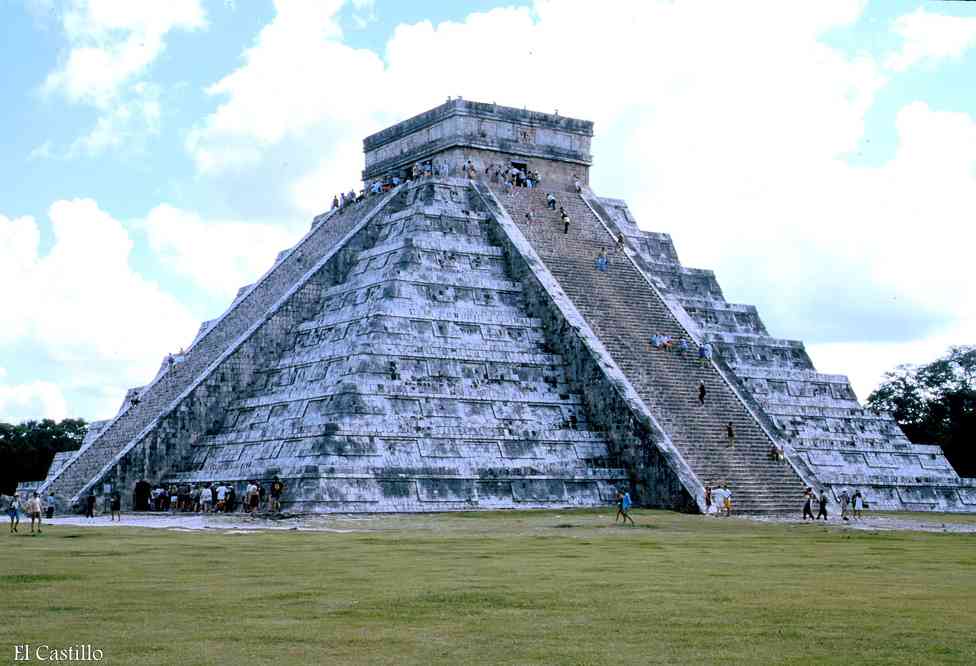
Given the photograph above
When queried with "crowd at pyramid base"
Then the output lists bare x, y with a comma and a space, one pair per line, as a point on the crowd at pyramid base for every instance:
474, 332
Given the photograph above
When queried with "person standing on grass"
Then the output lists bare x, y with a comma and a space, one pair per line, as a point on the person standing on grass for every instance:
858, 503
808, 504
730, 434
701, 393
623, 508
727, 500
822, 512
845, 503
708, 500
13, 510
34, 509
116, 506
719, 495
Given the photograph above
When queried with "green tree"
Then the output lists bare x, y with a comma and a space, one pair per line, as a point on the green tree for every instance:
936, 404
27, 449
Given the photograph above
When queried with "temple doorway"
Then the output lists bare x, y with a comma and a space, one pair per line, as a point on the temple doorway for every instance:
140, 496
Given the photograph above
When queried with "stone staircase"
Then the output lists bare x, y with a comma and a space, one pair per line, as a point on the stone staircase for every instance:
159, 397
624, 311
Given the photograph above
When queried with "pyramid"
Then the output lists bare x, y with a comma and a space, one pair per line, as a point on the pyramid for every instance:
429, 347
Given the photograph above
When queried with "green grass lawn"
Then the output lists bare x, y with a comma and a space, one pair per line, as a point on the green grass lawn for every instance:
564, 587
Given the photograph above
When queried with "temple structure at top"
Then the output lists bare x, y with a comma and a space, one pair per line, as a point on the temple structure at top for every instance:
555, 146
478, 329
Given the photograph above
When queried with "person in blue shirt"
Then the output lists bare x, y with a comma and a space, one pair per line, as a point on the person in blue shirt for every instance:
623, 507
705, 354
602, 262
13, 510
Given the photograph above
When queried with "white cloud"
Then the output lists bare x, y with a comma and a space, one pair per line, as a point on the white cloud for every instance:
929, 37
124, 124
19, 241
298, 75
111, 45
312, 192
112, 42
34, 400
218, 256
41, 152
81, 305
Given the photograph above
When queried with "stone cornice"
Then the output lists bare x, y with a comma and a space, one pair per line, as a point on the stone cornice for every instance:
461, 107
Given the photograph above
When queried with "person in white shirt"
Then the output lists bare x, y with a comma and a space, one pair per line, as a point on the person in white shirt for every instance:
34, 509
221, 497
858, 503
249, 494
206, 499
723, 499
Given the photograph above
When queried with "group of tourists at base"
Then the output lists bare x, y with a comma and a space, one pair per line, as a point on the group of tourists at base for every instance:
218, 497
851, 505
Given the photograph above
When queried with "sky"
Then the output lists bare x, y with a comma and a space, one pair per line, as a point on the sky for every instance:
819, 156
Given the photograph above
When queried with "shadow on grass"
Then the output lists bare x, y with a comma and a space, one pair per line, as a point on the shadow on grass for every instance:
29, 579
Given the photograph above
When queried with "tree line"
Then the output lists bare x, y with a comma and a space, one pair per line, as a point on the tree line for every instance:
935, 403
27, 449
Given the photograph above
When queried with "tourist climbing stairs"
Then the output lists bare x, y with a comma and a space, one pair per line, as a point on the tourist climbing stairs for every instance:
625, 311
